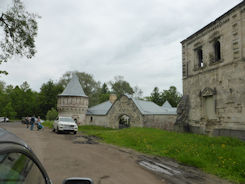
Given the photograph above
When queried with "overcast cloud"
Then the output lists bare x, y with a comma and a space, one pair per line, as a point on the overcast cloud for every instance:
137, 39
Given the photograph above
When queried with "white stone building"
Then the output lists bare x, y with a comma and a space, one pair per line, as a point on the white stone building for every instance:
73, 102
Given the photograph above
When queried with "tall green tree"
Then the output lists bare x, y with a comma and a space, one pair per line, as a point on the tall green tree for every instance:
8, 111
48, 97
120, 87
104, 93
20, 29
156, 96
23, 99
171, 95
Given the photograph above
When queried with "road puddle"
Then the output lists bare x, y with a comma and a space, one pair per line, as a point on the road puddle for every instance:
160, 168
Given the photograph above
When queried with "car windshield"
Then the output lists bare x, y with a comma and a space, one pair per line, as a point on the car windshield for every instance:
67, 119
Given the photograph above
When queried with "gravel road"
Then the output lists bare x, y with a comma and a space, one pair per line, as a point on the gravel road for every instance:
67, 155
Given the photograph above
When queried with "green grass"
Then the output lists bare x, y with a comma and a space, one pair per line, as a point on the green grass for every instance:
222, 156
48, 124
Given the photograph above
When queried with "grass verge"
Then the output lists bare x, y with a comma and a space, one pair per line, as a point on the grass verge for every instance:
48, 124
221, 156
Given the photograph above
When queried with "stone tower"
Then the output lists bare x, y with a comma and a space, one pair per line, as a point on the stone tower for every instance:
73, 102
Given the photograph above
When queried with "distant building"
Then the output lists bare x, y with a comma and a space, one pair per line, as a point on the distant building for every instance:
115, 113
214, 75
130, 112
73, 102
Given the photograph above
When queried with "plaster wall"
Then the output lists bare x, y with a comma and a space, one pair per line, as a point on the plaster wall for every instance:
75, 107
165, 122
98, 120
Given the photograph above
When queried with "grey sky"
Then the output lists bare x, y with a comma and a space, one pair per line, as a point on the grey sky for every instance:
138, 39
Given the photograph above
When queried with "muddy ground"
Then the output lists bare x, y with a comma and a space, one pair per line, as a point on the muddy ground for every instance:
67, 155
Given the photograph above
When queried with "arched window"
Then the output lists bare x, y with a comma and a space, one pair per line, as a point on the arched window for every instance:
217, 51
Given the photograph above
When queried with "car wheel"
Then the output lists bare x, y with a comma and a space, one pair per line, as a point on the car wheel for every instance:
57, 130
75, 132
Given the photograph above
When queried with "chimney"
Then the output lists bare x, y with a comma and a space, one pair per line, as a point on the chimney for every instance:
113, 98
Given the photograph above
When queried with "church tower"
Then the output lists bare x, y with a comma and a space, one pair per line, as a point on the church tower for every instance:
73, 102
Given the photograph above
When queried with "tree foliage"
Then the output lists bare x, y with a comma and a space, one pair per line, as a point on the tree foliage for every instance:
8, 111
156, 96
48, 96
20, 29
104, 93
18, 101
90, 87
120, 87
21, 101
52, 114
171, 95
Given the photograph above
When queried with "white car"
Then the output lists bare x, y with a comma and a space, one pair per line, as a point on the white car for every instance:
65, 124
4, 119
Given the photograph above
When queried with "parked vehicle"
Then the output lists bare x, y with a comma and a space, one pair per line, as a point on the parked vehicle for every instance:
19, 164
4, 119
65, 124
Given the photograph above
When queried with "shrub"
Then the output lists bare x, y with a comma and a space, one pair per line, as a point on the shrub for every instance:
51, 114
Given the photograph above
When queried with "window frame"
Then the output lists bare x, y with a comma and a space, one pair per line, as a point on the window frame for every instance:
216, 58
199, 59
10, 147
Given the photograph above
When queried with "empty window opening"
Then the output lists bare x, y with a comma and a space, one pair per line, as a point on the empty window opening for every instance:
200, 57
217, 51
91, 119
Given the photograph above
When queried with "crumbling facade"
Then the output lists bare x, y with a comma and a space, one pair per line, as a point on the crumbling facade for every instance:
213, 61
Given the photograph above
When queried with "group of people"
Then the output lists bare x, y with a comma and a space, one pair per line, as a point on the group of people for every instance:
32, 122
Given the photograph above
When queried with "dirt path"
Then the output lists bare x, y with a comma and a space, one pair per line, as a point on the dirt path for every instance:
67, 155
63, 156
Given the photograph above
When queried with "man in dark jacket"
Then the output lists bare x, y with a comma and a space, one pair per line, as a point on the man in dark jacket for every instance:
32, 122
27, 121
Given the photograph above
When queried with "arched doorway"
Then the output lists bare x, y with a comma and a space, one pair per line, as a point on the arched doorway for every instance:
124, 121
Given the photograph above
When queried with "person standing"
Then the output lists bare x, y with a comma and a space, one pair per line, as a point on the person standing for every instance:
27, 120
32, 122
39, 125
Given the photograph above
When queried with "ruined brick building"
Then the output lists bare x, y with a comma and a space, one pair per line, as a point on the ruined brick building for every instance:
213, 61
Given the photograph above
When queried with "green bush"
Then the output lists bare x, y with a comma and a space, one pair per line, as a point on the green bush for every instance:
48, 124
51, 114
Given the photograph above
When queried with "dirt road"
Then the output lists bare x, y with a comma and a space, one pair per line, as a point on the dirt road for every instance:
63, 156
67, 155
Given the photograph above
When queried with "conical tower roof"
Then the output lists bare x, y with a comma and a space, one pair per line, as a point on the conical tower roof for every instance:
73, 88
